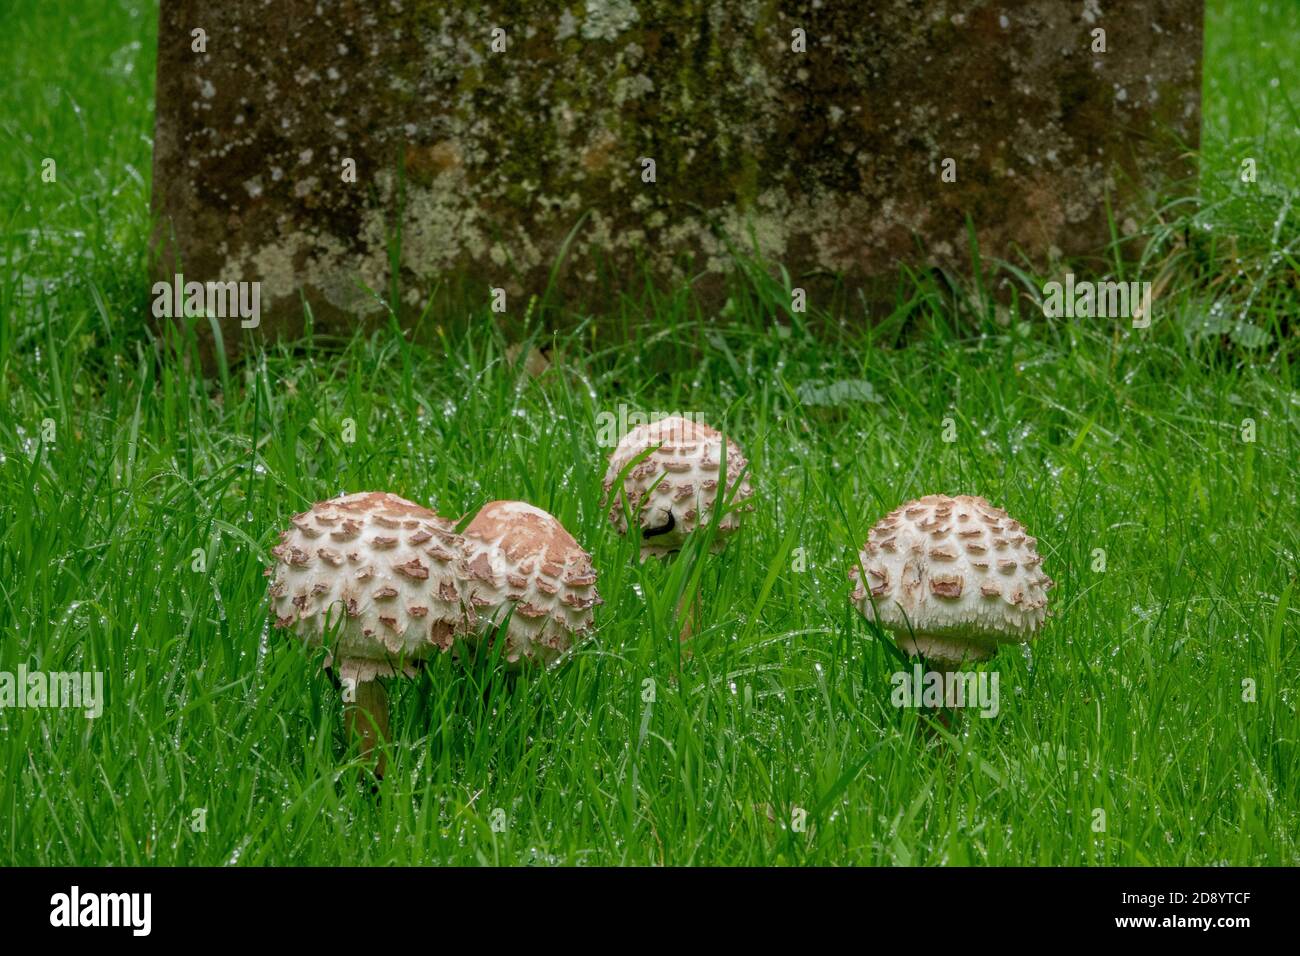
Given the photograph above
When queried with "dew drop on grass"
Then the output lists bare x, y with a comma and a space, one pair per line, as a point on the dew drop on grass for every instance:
259, 681
216, 597
239, 850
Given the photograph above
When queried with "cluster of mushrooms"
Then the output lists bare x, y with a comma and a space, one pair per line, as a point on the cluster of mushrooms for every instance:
384, 583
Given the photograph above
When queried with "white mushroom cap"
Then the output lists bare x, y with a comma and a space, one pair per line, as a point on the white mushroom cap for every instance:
688, 457
520, 557
382, 571
952, 578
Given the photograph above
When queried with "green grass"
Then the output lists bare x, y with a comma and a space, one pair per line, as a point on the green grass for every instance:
1094, 435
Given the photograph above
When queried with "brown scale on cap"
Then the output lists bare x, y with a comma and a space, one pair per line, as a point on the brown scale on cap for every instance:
675, 488
395, 609
519, 558
933, 586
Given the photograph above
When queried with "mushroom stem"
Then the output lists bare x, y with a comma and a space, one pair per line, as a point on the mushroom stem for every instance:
367, 720
943, 668
944, 655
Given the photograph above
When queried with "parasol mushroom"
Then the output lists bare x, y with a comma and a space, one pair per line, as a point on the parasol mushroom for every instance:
519, 561
378, 573
674, 489
953, 579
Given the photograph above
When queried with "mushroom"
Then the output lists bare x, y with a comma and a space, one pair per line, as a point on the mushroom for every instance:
674, 488
952, 579
380, 574
519, 560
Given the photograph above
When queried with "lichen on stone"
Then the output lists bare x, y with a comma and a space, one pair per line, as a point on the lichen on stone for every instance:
479, 164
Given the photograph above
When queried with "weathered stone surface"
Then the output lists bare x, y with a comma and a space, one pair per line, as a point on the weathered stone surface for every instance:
829, 159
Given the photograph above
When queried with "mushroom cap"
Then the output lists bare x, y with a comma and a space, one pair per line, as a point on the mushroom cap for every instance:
687, 456
377, 570
520, 557
952, 578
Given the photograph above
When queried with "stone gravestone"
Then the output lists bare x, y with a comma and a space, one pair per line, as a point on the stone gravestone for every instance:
310, 146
